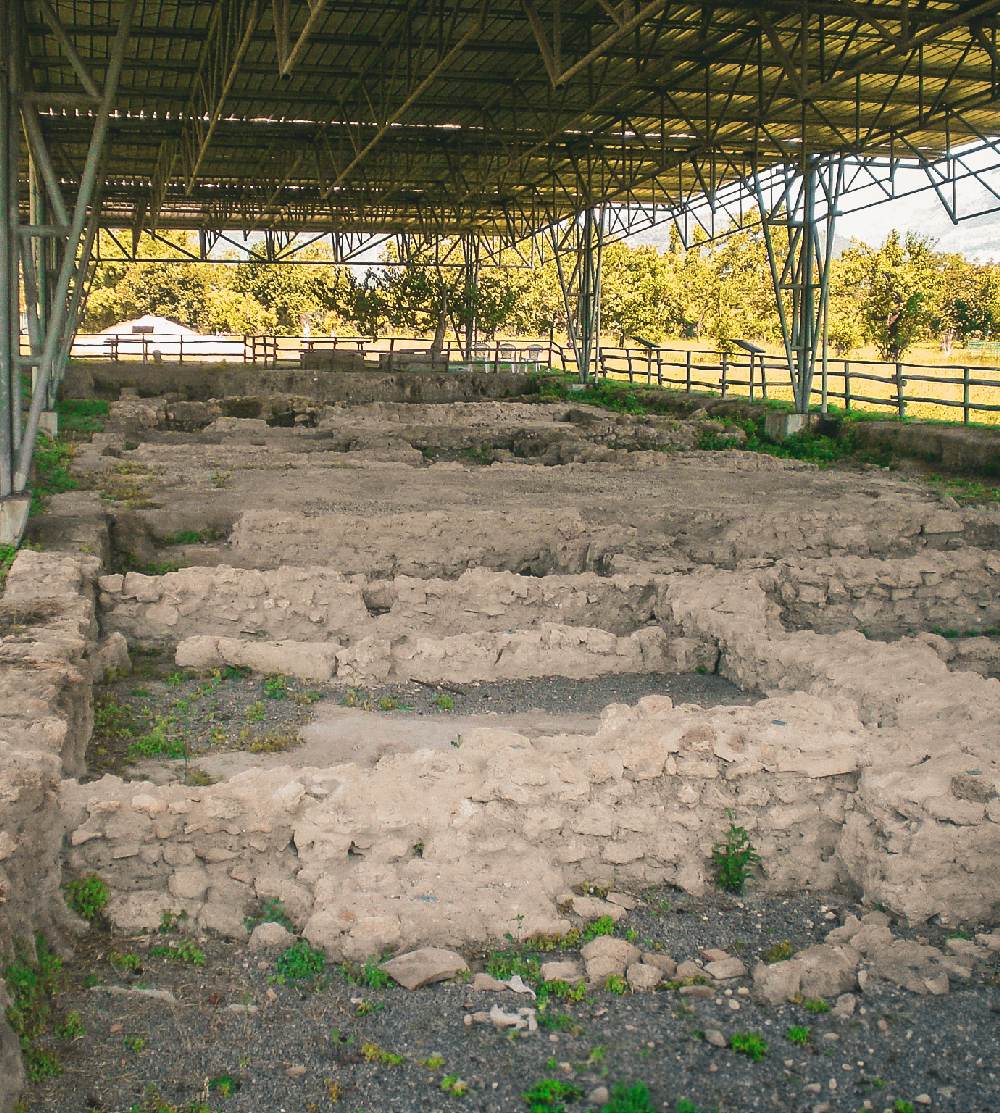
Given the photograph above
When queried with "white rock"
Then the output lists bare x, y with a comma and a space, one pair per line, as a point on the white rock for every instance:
270, 937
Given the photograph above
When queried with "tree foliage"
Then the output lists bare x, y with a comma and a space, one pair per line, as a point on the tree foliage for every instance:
891, 296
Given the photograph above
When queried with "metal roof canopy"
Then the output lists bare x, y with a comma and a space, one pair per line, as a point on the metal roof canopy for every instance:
446, 117
467, 119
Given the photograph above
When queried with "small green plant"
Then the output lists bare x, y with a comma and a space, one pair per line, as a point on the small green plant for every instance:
452, 1084
256, 711
779, 952
135, 1043
125, 962
87, 896
372, 1053
171, 922
388, 703
159, 741
175, 679
799, 1034
269, 911
369, 973
32, 982
235, 672
444, 702
629, 1099
300, 962
221, 478
603, 925
186, 951
225, 1085
550, 1094
733, 859
751, 1044
815, 1005
615, 983
433, 1062
902, 1106
72, 1027
275, 687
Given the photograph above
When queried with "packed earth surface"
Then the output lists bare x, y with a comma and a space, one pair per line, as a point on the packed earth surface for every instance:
495, 755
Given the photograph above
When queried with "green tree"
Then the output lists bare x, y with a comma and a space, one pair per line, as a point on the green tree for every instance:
897, 286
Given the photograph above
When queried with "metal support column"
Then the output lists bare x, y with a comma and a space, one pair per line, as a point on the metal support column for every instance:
577, 247
9, 318
470, 260
66, 291
798, 218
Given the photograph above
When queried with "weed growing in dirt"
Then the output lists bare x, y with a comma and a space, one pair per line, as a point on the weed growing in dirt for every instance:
135, 1043
966, 492
221, 478
256, 711
815, 1005
299, 962
550, 1094
87, 896
275, 687
32, 984
432, 1062
72, 1027
444, 702
369, 974
603, 925
192, 537
779, 952
685, 1105
629, 1099
452, 1084
186, 951
615, 983
81, 415
372, 1053
153, 1103
799, 1034
900, 1105
158, 741
171, 922
269, 911
751, 1044
125, 963
224, 1085
51, 468
733, 859
274, 743
7, 555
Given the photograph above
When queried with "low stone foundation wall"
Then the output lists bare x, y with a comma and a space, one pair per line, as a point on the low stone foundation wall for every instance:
197, 382
957, 590
48, 657
871, 764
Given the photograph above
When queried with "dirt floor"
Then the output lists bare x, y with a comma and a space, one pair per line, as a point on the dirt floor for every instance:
474, 566
161, 1031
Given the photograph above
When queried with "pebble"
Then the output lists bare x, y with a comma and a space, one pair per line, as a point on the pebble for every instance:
297, 1070
696, 991
923, 1099
715, 1037
599, 1095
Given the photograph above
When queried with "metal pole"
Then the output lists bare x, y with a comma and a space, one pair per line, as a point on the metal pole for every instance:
88, 181
8, 369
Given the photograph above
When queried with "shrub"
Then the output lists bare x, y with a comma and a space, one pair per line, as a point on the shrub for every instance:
751, 1044
300, 962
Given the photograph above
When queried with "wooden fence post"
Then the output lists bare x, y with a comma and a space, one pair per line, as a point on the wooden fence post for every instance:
688, 370
659, 367
900, 390
966, 392
847, 386
725, 371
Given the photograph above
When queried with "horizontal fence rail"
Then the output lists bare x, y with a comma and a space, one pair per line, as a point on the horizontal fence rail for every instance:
757, 375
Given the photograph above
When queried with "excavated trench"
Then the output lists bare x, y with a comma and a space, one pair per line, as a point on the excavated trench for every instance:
421, 673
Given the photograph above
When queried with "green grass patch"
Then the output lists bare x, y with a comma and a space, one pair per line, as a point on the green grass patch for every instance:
32, 983
81, 415
87, 896
51, 471
299, 963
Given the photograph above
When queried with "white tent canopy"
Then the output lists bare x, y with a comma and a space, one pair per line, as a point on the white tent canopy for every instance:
151, 325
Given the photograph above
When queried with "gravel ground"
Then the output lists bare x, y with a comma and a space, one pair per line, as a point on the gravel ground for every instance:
312, 1046
162, 711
